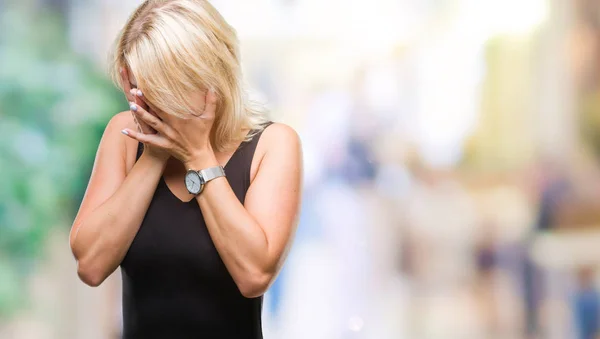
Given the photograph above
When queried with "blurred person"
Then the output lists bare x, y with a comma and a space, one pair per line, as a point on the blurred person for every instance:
486, 254
553, 189
198, 202
441, 225
586, 305
333, 240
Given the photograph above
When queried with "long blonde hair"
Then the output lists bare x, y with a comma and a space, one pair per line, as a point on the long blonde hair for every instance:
177, 47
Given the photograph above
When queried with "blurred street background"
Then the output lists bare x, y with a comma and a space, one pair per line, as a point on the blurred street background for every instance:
452, 161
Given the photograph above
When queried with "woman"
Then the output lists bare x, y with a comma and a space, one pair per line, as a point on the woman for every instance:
193, 194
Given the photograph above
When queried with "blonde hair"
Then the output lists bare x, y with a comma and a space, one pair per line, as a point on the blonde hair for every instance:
177, 47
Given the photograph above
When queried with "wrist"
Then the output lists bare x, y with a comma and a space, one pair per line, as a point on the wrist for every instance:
202, 160
154, 160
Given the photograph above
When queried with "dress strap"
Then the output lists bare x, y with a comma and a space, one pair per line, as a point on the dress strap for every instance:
241, 161
140, 149
251, 145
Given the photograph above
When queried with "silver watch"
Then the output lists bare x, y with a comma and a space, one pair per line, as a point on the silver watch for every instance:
195, 180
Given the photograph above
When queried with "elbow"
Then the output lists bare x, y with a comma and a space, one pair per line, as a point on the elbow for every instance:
89, 275
255, 285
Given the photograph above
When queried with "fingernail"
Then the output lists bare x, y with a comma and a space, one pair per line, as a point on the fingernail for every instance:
125, 132
133, 107
139, 93
132, 91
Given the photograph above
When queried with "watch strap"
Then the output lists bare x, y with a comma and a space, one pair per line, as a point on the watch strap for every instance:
211, 173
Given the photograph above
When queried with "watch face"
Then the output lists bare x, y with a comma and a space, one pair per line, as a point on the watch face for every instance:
193, 182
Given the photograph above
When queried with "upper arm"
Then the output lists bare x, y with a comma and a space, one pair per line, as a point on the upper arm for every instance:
109, 171
273, 198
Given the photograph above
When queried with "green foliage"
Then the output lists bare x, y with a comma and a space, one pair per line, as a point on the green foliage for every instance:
53, 108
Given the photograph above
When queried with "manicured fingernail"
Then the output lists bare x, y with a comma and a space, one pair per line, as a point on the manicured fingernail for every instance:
125, 132
133, 107
132, 91
139, 93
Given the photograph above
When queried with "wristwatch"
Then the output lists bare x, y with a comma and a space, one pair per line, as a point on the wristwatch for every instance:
195, 180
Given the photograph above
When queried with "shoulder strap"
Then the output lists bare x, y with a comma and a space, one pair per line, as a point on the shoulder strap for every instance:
254, 141
140, 149
242, 158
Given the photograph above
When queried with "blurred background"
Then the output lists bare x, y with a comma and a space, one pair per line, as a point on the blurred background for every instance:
452, 152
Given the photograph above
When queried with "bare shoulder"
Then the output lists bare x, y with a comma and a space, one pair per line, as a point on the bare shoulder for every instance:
113, 130
279, 137
277, 134
120, 121
281, 144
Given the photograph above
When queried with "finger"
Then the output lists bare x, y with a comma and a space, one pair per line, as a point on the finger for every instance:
149, 139
141, 101
133, 94
144, 127
210, 104
150, 119
136, 92
138, 98
137, 95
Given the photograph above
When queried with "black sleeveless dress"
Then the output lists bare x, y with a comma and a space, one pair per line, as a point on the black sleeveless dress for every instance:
175, 285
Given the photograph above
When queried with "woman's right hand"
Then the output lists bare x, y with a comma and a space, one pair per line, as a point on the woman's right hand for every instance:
135, 96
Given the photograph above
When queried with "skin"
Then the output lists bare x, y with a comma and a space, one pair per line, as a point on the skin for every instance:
252, 239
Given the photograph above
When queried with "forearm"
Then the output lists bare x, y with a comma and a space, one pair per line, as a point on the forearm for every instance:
239, 239
104, 236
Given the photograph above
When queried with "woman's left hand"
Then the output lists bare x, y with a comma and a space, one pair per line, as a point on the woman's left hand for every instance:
185, 139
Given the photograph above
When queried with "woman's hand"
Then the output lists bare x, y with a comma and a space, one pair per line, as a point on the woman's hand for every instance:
187, 139
135, 98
